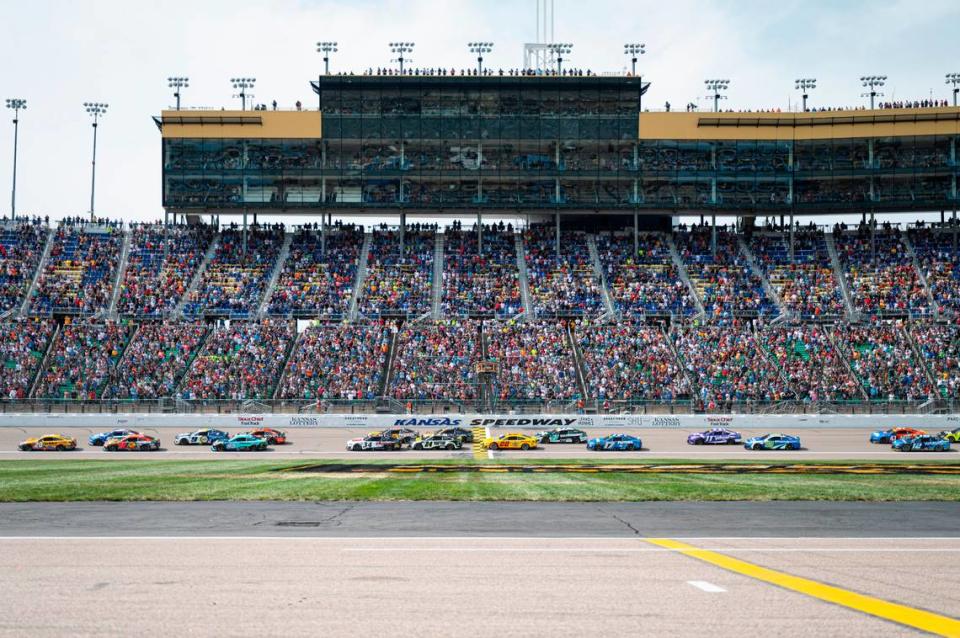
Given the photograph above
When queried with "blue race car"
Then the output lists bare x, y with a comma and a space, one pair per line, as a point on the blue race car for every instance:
200, 437
922, 443
716, 436
240, 443
101, 438
615, 443
773, 442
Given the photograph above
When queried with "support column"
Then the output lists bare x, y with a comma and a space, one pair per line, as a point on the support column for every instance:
873, 239
403, 231
323, 237
166, 235
479, 233
791, 237
636, 234
713, 235
557, 218
244, 232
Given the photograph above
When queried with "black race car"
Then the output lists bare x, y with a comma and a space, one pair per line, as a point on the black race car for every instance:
562, 435
403, 436
464, 434
438, 441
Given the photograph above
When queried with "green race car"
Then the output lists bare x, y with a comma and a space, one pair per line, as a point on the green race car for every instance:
951, 435
240, 443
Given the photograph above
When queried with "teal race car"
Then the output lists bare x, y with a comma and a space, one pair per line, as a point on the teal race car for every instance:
922, 443
240, 443
773, 442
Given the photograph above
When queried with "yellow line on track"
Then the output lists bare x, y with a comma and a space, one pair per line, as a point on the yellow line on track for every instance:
479, 434
894, 612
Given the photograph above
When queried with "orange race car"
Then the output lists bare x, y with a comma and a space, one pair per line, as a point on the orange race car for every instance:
273, 437
47, 442
889, 436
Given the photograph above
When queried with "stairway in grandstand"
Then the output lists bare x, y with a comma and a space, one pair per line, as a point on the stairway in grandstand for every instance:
437, 289
840, 276
601, 276
765, 283
934, 306
47, 247
121, 270
578, 364
682, 271
275, 275
361, 276
197, 277
915, 347
522, 271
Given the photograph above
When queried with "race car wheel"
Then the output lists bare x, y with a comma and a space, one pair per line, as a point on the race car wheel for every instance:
111, 448
271, 441
524, 446
757, 446
451, 446
698, 442
417, 446
355, 448
494, 446
25, 448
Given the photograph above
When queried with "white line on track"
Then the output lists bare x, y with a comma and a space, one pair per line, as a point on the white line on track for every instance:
710, 588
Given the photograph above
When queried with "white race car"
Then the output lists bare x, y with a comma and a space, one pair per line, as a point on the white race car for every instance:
373, 442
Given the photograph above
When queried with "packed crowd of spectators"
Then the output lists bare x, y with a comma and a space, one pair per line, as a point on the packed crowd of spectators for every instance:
338, 362
319, 274
806, 284
240, 361
480, 283
79, 274
811, 362
22, 346
645, 283
629, 362
940, 264
884, 363
155, 361
399, 283
561, 285
880, 273
535, 361
234, 281
81, 360
939, 346
726, 283
437, 361
21, 246
160, 266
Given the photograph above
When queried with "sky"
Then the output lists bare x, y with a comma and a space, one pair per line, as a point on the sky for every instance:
59, 54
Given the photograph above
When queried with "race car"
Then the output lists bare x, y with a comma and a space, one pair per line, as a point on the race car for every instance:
921, 443
103, 437
132, 443
200, 437
561, 435
891, 435
951, 435
438, 441
464, 434
374, 442
240, 443
615, 443
511, 441
271, 436
48, 442
714, 436
403, 436
773, 442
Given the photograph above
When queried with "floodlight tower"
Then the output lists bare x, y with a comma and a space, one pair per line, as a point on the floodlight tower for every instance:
560, 49
243, 84
399, 48
326, 48
17, 105
715, 86
96, 110
178, 84
480, 48
634, 50
954, 79
872, 82
806, 85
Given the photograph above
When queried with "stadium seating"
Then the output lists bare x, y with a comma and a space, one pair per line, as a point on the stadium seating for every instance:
535, 361
22, 346
811, 362
564, 285
486, 284
156, 360
21, 245
436, 361
940, 265
939, 347
399, 284
884, 363
82, 359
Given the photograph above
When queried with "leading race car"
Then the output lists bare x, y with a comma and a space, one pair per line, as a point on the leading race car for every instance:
951, 435
240, 443
511, 441
48, 443
562, 435
132, 443
921, 443
200, 437
271, 436
891, 435
714, 436
373, 442
773, 442
102, 437
615, 443
438, 441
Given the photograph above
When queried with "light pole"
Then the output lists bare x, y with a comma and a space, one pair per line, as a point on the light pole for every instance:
480, 48
178, 84
872, 82
17, 105
806, 85
954, 79
634, 51
715, 86
400, 48
243, 84
96, 110
559, 50
326, 48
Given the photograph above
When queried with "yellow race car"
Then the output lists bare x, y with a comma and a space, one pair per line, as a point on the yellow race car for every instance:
48, 442
511, 441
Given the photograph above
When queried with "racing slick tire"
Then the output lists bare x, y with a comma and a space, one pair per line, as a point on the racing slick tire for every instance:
356, 448
493, 446
451, 446
25, 448
524, 447
110, 448
698, 442
418, 446
757, 446
179, 442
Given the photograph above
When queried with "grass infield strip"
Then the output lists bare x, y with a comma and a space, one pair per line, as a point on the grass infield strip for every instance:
189, 480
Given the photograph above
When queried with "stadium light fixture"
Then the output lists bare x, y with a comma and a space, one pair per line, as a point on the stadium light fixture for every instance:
399, 48
96, 110
954, 79
806, 85
243, 84
872, 82
715, 86
634, 51
480, 48
326, 48
560, 49
178, 84
16, 105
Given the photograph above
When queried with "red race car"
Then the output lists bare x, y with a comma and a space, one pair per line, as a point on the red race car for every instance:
133, 443
273, 437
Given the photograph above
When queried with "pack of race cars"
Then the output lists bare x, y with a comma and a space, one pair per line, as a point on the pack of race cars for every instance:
125, 440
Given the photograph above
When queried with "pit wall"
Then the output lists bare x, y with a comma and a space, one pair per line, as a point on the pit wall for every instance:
778, 422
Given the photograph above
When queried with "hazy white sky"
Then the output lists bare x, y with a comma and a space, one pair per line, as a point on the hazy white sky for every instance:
58, 54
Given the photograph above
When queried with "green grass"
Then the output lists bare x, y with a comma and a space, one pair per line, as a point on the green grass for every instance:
82, 480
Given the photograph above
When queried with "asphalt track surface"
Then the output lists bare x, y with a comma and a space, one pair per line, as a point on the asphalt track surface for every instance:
330, 443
